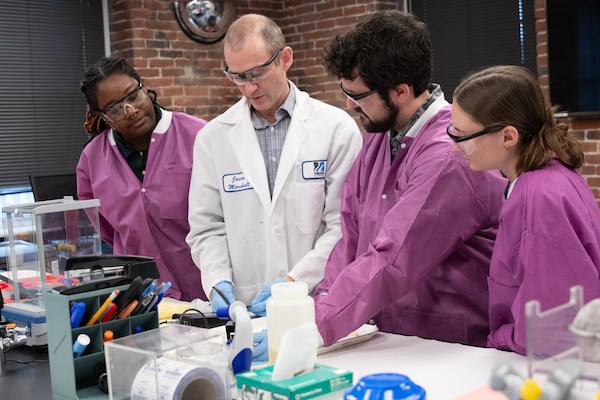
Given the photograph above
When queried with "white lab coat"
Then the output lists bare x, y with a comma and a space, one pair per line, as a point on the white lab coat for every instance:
237, 231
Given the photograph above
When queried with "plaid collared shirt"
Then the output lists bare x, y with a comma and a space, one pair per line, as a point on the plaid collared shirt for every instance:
271, 137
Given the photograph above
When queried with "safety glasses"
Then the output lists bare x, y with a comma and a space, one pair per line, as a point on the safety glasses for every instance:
255, 74
457, 139
361, 100
118, 111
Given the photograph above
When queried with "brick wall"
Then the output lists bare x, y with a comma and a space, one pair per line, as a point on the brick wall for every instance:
188, 75
587, 131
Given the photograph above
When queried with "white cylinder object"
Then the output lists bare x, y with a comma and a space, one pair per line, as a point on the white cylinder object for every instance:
288, 307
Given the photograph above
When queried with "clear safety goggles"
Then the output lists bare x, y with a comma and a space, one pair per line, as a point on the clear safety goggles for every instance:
131, 100
254, 74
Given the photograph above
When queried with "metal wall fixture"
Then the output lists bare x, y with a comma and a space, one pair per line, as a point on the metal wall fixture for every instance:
204, 21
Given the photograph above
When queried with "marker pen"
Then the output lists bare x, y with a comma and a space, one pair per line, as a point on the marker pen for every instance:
109, 313
160, 295
80, 345
77, 312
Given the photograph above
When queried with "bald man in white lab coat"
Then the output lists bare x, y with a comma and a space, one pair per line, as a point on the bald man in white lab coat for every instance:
267, 177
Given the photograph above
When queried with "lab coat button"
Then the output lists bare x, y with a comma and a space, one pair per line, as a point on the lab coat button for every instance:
276, 229
403, 145
371, 322
153, 140
384, 196
143, 190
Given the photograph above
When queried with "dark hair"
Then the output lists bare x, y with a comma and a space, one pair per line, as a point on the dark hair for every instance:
388, 49
510, 95
105, 67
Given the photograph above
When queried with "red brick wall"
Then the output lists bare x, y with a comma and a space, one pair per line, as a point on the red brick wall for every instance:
587, 131
188, 75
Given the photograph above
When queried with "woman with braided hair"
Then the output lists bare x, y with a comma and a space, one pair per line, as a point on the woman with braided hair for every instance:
549, 234
138, 163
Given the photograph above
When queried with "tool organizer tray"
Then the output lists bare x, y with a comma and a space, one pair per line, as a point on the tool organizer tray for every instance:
77, 378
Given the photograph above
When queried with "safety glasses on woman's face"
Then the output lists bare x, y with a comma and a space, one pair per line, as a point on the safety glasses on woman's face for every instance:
469, 148
361, 100
254, 74
457, 139
118, 111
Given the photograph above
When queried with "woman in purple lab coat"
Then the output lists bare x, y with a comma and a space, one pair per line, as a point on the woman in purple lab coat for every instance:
138, 163
549, 233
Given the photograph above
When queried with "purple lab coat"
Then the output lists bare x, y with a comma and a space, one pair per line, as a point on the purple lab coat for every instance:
148, 218
417, 237
548, 241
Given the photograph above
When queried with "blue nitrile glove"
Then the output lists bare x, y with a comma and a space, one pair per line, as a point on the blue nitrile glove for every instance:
260, 353
259, 304
216, 300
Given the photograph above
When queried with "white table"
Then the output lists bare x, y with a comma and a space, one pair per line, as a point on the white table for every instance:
445, 370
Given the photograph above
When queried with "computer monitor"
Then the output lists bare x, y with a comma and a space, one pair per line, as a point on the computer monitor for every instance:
51, 187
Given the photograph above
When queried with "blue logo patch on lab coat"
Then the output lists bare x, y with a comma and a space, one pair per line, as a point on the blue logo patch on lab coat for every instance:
314, 169
236, 182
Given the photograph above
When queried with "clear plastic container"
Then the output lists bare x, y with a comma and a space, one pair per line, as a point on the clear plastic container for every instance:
174, 362
288, 307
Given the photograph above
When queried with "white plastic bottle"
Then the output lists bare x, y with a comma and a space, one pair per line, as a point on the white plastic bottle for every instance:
288, 307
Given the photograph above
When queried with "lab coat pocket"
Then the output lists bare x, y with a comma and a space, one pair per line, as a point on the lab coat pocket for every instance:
174, 194
501, 298
309, 204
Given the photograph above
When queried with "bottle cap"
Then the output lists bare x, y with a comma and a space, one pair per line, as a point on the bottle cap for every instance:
385, 386
108, 335
289, 290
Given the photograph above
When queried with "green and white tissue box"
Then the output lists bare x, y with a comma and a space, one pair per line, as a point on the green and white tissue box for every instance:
321, 381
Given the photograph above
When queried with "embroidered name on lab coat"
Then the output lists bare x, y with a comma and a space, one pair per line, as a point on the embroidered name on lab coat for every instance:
314, 169
236, 183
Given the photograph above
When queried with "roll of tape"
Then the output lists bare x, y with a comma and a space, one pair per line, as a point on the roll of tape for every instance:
177, 380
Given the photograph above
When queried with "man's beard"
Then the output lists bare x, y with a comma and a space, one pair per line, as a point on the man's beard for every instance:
383, 125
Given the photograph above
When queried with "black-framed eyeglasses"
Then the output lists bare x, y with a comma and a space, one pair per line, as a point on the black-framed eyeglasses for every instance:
118, 111
356, 97
458, 139
254, 74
